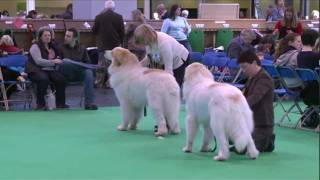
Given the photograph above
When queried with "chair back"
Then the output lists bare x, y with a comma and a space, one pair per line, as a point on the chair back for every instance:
196, 57
266, 62
271, 70
307, 74
289, 77
13, 60
233, 64
214, 59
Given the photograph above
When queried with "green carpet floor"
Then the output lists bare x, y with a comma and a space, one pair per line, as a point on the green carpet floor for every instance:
78, 144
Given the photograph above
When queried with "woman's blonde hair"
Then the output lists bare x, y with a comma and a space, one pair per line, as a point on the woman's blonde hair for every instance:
6, 40
145, 34
138, 16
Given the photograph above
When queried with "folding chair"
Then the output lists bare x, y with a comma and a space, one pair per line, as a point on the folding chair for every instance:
308, 75
280, 93
234, 66
196, 57
15, 63
216, 61
293, 85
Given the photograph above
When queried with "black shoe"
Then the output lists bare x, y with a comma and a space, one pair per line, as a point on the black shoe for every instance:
65, 106
91, 107
270, 147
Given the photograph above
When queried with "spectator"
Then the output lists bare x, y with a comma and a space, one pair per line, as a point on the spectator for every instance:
277, 13
185, 13
42, 69
308, 58
289, 24
138, 19
71, 49
269, 13
177, 27
241, 43
288, 49
109, 29
5, 13
162, 12
259, 94
162, 51
7, 45
68, 14
268, 42
315, 15
32, 14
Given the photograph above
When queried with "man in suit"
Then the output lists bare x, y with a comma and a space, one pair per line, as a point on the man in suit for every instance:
109, 30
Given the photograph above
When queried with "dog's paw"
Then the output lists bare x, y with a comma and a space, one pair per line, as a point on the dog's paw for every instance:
132, 127
253, 155
206, 149
187, 150
122, 128
176, 131
161, 133
220, 158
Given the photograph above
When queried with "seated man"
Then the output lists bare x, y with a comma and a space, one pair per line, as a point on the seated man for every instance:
71, 49
241, 43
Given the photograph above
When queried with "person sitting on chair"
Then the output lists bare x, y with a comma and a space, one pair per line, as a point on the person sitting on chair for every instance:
42, 69
7, 45
71, 49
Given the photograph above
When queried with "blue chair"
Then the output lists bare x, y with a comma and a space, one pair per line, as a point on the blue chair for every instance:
215, 62
266, 62
280, 92
233, 66
196, 57
267, 56
307, 76
14, 63
293, 86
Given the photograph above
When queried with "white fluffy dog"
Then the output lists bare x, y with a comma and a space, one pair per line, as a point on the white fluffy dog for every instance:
221, 109
136, 86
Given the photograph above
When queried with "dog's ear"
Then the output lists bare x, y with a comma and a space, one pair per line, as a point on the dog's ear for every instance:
122, 56
196, 70
118, 56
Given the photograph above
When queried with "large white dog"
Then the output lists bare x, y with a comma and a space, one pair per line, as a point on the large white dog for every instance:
221, 109
136, 86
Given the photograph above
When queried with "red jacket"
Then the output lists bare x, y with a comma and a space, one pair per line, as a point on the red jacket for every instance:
283, 30
9, 49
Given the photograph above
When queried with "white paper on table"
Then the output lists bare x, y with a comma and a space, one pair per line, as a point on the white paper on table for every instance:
86, 25
52, 26
24, 26
226, 25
